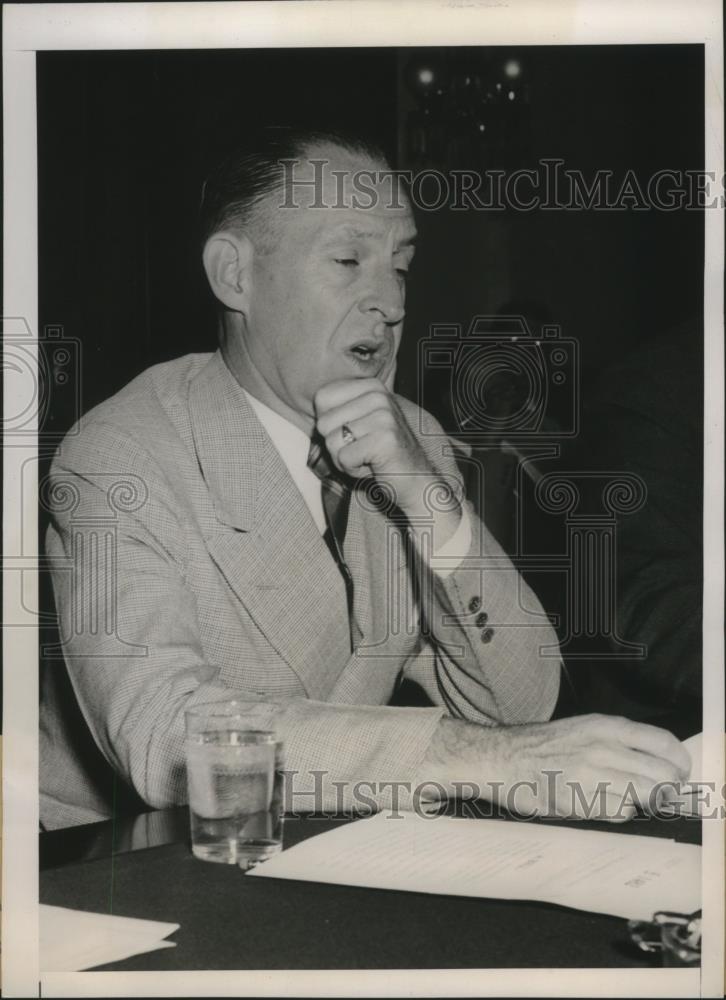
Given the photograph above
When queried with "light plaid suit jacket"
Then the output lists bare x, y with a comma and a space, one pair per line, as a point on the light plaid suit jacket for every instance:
187, 568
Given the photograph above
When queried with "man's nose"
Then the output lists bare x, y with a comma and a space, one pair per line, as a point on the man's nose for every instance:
385, 297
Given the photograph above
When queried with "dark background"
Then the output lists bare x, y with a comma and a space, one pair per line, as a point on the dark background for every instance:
125, 140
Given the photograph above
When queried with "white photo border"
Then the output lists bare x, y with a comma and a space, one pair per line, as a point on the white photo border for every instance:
31, 28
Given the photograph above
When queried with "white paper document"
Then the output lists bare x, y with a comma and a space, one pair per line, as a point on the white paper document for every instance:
621, 874
73, 940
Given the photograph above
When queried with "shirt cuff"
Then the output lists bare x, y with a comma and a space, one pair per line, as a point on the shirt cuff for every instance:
449, 556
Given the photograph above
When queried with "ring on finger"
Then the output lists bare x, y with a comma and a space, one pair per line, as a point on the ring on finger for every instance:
347, 434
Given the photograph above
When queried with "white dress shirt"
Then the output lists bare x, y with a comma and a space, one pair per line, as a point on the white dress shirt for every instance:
293, 446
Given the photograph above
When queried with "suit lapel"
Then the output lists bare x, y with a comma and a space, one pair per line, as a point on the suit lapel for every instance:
264, 541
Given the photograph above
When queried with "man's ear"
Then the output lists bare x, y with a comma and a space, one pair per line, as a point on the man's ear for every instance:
227, 261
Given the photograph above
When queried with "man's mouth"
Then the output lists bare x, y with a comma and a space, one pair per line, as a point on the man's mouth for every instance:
370, 352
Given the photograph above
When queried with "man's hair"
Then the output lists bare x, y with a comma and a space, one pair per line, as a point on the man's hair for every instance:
234, 190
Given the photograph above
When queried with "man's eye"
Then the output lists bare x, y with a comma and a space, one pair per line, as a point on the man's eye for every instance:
346, 261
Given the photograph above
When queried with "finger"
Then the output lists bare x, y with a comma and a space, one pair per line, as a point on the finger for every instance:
615, 811
606, 807
591, 790
616, 758
649, 794
355, 458
376, 423
630, 791
368, 428
342, 391
353, 409
649, 739
588, 799
339, 438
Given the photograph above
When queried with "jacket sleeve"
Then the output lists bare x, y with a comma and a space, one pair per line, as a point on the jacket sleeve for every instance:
131, 643
489, 653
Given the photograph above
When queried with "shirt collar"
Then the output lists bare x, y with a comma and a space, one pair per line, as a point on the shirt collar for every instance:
292, 443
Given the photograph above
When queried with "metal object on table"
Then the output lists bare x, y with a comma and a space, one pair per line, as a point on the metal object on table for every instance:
676, 935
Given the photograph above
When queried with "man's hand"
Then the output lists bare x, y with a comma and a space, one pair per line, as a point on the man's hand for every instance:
586, 767
384, 445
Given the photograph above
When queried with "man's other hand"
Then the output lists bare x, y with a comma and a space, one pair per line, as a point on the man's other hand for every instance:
586, 767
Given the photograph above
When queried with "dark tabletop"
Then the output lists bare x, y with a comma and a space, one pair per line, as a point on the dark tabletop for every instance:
229, 921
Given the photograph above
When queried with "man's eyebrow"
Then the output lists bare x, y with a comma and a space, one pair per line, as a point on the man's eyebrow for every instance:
348, 230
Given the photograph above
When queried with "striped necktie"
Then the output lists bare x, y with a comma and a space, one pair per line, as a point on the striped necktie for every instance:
336, 492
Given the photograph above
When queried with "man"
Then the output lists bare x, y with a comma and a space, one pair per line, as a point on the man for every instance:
230, 575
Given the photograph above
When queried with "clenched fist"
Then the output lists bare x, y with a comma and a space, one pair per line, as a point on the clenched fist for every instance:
382, 443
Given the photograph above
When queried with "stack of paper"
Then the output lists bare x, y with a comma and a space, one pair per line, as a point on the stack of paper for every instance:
621, 874
72, 940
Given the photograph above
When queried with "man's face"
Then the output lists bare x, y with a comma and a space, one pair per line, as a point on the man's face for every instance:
327, 302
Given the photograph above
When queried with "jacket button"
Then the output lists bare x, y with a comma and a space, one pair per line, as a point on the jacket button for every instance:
481, 619
487, 634
474, 604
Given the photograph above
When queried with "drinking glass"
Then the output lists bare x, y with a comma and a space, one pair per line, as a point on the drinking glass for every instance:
234, 781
